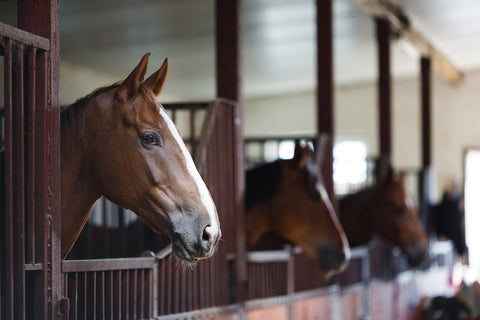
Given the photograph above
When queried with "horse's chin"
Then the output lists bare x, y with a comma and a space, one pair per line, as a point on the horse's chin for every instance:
415, 255
180, 251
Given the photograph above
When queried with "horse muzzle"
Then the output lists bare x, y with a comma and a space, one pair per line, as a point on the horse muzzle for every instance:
194, 238
331, 260
415, 254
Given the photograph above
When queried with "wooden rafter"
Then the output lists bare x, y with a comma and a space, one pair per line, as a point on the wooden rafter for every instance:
401, 25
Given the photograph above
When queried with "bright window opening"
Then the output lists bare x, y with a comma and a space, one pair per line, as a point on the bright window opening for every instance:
349, 166
472, 212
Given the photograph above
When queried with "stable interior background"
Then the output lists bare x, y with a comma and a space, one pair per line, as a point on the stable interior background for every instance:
102, 40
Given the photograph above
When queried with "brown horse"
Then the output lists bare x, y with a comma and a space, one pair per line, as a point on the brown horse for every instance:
384, 209
287, 197
119, 142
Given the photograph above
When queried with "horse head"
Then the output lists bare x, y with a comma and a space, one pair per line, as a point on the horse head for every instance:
448, 220
134, 156
297, 208
397, 220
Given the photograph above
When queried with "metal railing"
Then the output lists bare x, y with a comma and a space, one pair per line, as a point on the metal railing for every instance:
29, 171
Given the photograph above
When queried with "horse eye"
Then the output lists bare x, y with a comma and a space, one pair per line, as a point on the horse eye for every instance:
150, 140
398, 209
315, 197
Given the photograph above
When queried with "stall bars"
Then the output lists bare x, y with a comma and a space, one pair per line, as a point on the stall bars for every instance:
29, 262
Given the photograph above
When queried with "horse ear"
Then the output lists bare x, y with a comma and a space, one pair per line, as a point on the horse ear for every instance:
130, 85
297, 154
156, 81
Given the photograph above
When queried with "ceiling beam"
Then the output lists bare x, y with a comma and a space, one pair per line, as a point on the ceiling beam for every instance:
401, 26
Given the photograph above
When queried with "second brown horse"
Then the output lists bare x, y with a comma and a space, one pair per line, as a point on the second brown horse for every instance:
287, 197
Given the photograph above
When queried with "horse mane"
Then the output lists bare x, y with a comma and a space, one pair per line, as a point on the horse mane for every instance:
363, 197
262, 182
72, 116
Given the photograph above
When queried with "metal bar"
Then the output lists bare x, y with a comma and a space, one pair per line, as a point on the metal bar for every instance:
24, 37
107, 264
19, 181
325, 104
135, 294
384, 87
142, 294
153, 303
76, 296
268, 256
103, 295
31, 154
425, 67
9, 247
228, 41
42, 18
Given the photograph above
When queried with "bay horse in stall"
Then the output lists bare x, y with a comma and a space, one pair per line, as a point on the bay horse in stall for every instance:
446, 219
384, 209
287, 197
118, 142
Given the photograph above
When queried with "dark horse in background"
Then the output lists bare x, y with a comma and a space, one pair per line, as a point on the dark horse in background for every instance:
288, 197
446, 220
385, 210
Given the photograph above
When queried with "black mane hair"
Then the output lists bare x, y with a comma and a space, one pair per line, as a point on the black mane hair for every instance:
262, 182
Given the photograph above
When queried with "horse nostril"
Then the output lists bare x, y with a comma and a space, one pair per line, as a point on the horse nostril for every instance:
206, 234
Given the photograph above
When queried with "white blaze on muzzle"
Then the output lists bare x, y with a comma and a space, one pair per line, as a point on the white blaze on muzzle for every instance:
205, 196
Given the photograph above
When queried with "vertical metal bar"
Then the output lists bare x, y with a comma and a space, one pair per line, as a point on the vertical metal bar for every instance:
9, 248
135, 294
154, 281
19, 183
425, 66
142, 294
85, 297
76, 296
119, 283
111, 295
291, 273
103, 295
228, 41
176, 295
325, 104
41, 180
94, 295
384, 87
31, 154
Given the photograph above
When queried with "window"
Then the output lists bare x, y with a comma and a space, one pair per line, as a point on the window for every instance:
349, 166
472, 212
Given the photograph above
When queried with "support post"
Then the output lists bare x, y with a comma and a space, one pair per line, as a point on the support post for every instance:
425, 67
228, 70
426, 172
384, 90
325, 104
41, 17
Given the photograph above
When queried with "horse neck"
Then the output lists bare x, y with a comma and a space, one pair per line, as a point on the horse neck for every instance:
77, 188
261, 185
356, 215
